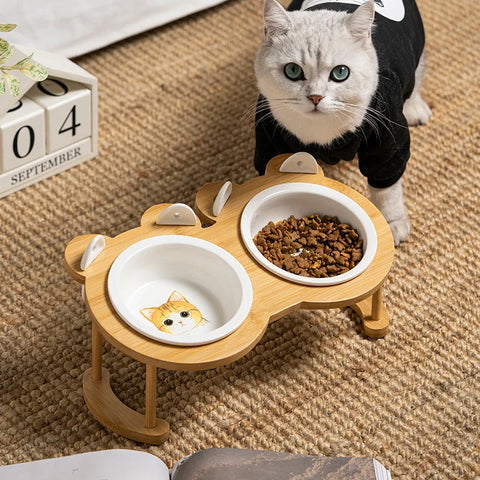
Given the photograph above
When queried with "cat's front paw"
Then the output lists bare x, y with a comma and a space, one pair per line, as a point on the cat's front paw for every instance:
400, 230
416, 111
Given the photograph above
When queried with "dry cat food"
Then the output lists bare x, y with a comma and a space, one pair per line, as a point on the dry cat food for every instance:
311, 246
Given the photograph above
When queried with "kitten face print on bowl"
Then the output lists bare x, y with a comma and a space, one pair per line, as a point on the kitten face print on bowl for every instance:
176, 316
180, 290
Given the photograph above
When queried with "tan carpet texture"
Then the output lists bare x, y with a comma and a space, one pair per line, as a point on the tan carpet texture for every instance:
176, 110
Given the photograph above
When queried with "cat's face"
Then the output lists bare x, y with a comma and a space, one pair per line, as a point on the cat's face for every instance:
317, 69
177, 316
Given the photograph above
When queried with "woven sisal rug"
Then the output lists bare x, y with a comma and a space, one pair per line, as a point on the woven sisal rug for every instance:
175, 112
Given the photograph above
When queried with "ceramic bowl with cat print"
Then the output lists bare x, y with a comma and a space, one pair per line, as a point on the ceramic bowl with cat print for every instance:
302, 200
180, 290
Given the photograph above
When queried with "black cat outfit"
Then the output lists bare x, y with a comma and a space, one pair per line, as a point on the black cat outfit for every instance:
382, 155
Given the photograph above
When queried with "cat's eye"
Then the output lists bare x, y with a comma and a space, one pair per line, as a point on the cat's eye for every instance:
185, 314
340, 73
293, 72
168, 322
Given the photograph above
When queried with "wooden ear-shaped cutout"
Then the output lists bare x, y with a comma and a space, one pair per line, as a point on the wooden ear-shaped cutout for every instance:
300, 162
177, 214
222, 197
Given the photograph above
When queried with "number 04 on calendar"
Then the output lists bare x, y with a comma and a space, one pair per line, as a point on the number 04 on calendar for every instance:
49, 128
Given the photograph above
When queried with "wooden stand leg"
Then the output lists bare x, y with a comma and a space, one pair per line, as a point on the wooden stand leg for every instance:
96, 353
151, 397
374, 315
377, 304
111, 412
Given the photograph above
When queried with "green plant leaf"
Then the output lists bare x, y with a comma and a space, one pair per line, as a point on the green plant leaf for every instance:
2, 85
6, 54
3, 45
34, 70
21, 63
13, 84
7, 27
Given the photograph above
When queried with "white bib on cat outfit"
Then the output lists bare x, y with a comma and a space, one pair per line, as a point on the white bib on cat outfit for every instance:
391, 9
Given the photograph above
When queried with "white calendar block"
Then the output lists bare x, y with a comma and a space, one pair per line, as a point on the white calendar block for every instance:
68, 111
22, 135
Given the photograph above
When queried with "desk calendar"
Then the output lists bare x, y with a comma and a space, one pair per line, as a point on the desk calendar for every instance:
50, 126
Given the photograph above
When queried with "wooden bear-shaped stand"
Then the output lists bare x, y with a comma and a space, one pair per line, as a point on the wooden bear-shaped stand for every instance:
363, 293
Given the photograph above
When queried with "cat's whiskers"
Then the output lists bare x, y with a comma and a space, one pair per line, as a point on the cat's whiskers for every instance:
264, 104
377, 115
380, 114
249, 112
372, 117
346, 113
277, 105
338, 109
368, 118
264, 117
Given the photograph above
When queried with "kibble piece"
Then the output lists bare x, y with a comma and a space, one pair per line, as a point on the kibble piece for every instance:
313, 246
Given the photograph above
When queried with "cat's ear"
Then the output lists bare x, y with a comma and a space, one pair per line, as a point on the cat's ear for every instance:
275, 18
177, 297
148, 312
361, 20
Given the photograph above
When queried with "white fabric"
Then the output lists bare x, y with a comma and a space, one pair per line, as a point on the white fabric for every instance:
75, 27
392, 9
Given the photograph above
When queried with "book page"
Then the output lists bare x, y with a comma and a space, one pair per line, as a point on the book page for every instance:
381, 472
102, 465
237, 464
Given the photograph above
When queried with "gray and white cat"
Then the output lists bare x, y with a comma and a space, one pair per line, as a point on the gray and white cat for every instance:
337, 80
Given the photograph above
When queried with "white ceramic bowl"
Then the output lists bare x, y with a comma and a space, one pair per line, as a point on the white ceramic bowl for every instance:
145, 275
304, 199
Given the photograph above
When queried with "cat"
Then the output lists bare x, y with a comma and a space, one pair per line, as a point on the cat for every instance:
176, 316
338, 78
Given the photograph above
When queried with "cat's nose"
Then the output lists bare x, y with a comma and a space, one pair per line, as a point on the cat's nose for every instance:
315, 99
